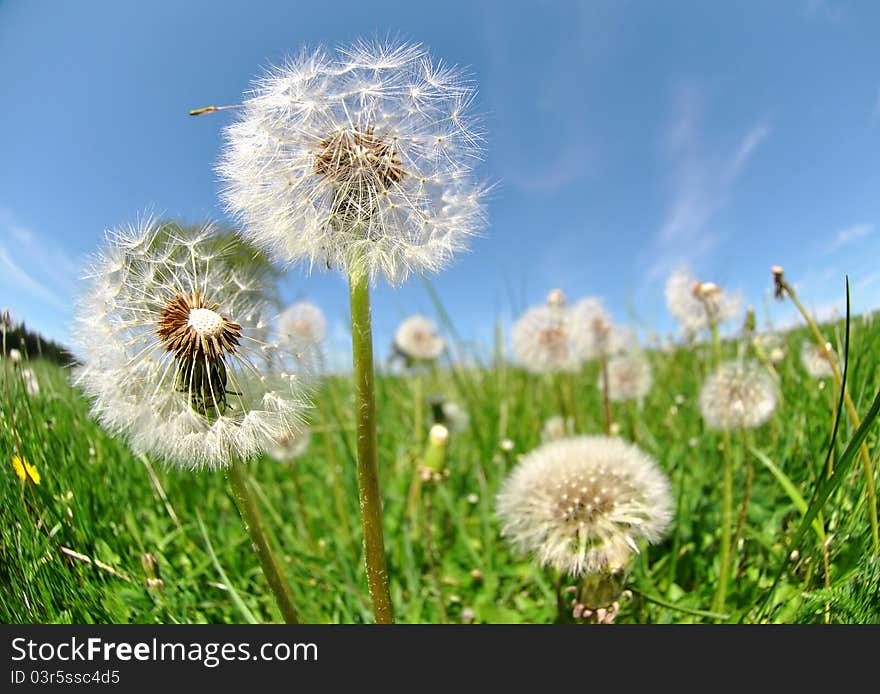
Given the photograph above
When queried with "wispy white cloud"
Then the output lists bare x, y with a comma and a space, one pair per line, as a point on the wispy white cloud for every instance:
827, 10
847, 235
701, 181
34, 272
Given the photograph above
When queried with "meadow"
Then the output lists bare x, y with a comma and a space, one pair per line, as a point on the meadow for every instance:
108, 536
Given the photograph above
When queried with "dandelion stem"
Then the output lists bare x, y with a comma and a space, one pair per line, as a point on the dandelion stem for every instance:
851, 409
606, 401
727, 498
417, 409
367, 444
746, 491
253, 522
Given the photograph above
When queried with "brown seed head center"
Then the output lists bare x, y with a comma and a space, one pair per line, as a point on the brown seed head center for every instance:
353, 157
193, 331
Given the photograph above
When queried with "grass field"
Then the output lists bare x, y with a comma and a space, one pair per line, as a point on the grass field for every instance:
108, 536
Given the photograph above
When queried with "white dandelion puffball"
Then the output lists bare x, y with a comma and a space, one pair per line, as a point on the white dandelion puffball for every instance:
416, 338
593, 333
291, 445
364, 153
455, 416
629, 378
14, 356
302, 327
170, 333
739, 394
696, 305
542, 340
815, 360
31, 384
582, 504
556, 427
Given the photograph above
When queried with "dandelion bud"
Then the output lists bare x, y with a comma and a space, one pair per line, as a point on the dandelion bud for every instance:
778, 282
435, 452
556, 298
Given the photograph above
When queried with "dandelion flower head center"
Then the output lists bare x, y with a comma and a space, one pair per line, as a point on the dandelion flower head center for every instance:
353, 158
201, 340
206, 322
582, 498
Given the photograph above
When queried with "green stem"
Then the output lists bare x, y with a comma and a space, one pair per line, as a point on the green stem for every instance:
253, 523
606, 401
727, 499
418, 437
853, 415
367, 445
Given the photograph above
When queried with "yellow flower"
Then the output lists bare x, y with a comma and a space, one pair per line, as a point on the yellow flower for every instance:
25, 470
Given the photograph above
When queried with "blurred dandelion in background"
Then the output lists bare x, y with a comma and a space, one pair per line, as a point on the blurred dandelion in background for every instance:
543, 340
629, 378
697, 305
416, 339
739, 394
302, 327
815, 359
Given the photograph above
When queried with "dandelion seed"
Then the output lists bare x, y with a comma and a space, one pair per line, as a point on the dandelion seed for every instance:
583, 504
739, 394
24, 470
696, 305
417, 340
367, 153
815, 359
171, 332
290, 446
629, 378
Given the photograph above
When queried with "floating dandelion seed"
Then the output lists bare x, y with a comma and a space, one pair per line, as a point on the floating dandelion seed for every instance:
171, 334
416, 339
629, 378
366, 153
696, 305
815, 359
302, 327
583, 504
739, 394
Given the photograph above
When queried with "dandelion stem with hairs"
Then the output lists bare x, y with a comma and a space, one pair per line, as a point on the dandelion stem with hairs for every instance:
367, 445
253, 522
782, 287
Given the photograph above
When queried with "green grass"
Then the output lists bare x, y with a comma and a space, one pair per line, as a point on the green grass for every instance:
72, 549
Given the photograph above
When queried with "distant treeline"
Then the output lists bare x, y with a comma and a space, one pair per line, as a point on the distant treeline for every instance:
33, 345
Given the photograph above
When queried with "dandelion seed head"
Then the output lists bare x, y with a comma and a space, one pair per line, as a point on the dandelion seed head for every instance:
739, 394
697, 304
582, 504
365, 152
416, 338
543, 342
629, 378
302, 327
593, 333
815, 359
170, 331
14, 356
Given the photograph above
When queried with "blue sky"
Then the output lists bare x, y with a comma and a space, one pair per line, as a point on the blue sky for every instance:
626, 139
